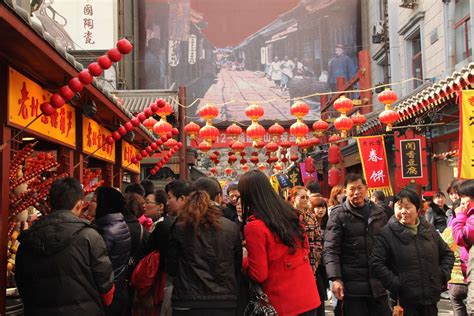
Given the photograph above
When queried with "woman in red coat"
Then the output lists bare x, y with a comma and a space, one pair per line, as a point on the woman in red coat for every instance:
277, 248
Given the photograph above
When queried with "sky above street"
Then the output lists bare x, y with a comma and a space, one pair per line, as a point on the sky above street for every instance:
231, 21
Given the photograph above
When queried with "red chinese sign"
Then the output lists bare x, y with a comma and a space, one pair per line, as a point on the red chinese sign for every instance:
24, 99
411, 165
374, 162
93, 138
128, 152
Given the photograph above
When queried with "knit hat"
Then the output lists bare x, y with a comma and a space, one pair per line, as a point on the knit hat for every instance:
109, 200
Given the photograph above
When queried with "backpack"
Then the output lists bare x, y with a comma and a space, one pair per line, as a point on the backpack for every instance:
147, 278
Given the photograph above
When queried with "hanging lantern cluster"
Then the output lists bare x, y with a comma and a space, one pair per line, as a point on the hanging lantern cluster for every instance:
255, 130
299, 129
388, 116
192, 130
343, 123
162, 127
233, 131
167, 157
358, 120
208, 133
275, 131
334, 158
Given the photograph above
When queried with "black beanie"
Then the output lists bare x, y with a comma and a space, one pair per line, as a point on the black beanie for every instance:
109, 200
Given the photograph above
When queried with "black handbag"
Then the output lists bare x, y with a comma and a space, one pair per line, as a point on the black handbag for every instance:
258, 304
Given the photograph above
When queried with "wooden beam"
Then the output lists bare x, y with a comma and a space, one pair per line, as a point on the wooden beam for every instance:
183, 162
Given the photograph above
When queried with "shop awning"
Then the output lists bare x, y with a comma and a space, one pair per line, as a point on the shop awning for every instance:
137, 100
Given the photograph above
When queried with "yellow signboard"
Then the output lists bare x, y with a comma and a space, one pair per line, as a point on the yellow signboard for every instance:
466, 136
24, 99
93, 140
128, 151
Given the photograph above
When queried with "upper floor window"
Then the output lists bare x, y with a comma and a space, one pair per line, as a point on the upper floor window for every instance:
416, 59
462, 31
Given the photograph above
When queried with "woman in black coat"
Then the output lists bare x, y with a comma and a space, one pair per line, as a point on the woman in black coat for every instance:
114, 230
410, 258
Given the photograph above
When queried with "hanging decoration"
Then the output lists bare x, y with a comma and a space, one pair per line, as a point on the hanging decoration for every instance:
255, 130
275, 131
358, 120
343, 123
388, 116
233, 131
320, 127
208, 133
162, 126
192, 130
299, 129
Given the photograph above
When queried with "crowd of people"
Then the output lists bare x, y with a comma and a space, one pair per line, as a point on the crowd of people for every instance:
187, 250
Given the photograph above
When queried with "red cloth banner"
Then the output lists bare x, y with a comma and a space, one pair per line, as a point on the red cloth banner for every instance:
374, 163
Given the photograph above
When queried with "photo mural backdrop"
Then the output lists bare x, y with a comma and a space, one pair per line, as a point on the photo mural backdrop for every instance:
232, 53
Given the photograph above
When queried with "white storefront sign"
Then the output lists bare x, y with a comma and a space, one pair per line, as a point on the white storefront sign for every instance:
192, 49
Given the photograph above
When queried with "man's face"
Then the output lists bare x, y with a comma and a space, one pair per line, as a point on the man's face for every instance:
233, 196
339, 51
174, 203
440, 201
356, 192
453, 195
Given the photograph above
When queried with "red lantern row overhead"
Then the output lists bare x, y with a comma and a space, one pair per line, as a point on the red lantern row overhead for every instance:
255, 130
388, 116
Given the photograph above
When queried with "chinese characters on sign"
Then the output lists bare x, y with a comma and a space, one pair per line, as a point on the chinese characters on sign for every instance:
128, 152
88, 19
93, 138
192, 49
374, 163
410, 151
24, 100
466, 136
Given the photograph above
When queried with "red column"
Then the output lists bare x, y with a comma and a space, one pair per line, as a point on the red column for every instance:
365, 81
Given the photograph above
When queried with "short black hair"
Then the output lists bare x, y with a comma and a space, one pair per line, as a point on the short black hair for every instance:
148, 186
453, 186
379, 195
161, 198
209, 185
410, 195
65, 193
179, 188
135, 188
232, 187
467, 189
313, 187
353, 177
439, 194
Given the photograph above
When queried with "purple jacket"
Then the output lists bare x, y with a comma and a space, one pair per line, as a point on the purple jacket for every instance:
463, 235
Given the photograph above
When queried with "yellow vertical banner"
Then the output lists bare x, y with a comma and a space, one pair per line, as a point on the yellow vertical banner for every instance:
128, 152
466, 136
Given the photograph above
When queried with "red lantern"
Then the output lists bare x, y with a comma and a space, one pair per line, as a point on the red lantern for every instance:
56, 101
389, 117
358, 120
255, 131
334, 176
232, 159
104, 62
192, 130
343, 105
261, 167
259, 144
320, 126
305, 144
294, 158
165, 110
162, 127
387, 97
254, 112
237, 146
95, 69
76, 85
124, 46
334, 138
309, 164
299, 109
149, 123
233, 131
228, 171
276, 130
299, 130
243, 161
47, 109
285, 144
334, 154
315, 141
208, 112
85, 77
343, 124
213, 157
170, 143
66, 93
245, 168
213, 170
254, 159
209, 133
114, 55
204, 146
272, 147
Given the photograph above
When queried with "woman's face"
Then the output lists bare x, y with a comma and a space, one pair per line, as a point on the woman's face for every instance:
151, 209
301, 200
406, 212
320, 211
466, 203
238, 206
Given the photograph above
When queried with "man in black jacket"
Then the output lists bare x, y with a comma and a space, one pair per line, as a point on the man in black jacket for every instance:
230, 211
62, 266
378, 197
348, 243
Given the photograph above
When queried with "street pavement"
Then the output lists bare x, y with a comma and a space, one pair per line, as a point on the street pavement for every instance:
246, 87
444, 308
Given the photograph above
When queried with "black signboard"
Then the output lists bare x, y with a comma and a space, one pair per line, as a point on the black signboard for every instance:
410, 151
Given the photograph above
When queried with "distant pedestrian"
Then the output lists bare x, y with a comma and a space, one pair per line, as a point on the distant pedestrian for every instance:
275, 72
230, 211
436, 213
378, 197
410, 258
62, 266
287, 67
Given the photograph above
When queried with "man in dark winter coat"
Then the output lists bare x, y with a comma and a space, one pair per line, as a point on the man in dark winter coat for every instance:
348, 243
62, 267
436, 213
230, 211
378, 197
